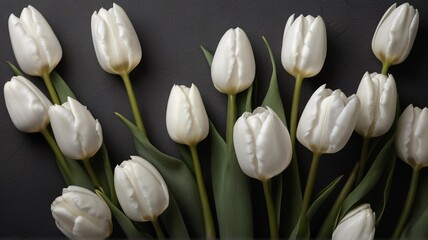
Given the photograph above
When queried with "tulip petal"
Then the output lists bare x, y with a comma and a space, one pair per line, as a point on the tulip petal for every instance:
421, 139
62, 122
404, 133
344, 125
273, 147
245, 149
88, 130
314, 49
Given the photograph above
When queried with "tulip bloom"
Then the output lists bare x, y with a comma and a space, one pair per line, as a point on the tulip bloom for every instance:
81, 214
411, 140
34, 44
412, 137
262, 144
78, 134
186, 118
116, 43
304, 46
263, 149
395, 34
27, 105
358, 224
378, 97
328, 120
233, 67
141, 190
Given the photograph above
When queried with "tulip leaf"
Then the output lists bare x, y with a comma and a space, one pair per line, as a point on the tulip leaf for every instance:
173, 220
16, 71
417, 223
79, 178
103, 170
186, 155
273, 97
208, 55
61, 87
231, 193
370, 180
417, 229
177, 176
319, 200
125, 223
322, 196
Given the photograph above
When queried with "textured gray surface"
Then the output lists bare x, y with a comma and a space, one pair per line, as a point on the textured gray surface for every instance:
170, 33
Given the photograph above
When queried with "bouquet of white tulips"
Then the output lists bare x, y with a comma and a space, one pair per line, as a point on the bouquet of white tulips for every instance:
157, 195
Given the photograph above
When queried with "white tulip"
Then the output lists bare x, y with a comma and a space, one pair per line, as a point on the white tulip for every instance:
411, 139
395, 34
357, 224
141, 190
186, 118
304, 46
328, 120
378, 97
81, 214
262, 144
233, 66
78, 134
34, 44
27, 105
115, 41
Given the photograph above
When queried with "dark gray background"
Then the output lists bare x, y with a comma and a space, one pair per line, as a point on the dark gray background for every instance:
170, 33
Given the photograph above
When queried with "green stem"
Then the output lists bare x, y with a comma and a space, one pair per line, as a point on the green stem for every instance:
363, 159
62, 162
91, 173
133, 102
295, 110
208, 219
158, 229
385, 67
327, 228
231, 118
48, 82
273, 226
310, 182
408, 204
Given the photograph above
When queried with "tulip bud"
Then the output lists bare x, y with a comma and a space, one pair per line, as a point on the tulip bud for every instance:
27, 105
328, 120
34, 44
262, 144
378, 97
233, 67
78, 134
411, 139
358, 224
81, 214
186, 118
141, 190
395, 34
116, 43
304, 46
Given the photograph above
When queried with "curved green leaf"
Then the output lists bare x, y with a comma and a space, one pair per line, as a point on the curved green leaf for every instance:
232, 198
322, 196
16, 71
371, 178
125, 223
174, 222
208, 55
61, 87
